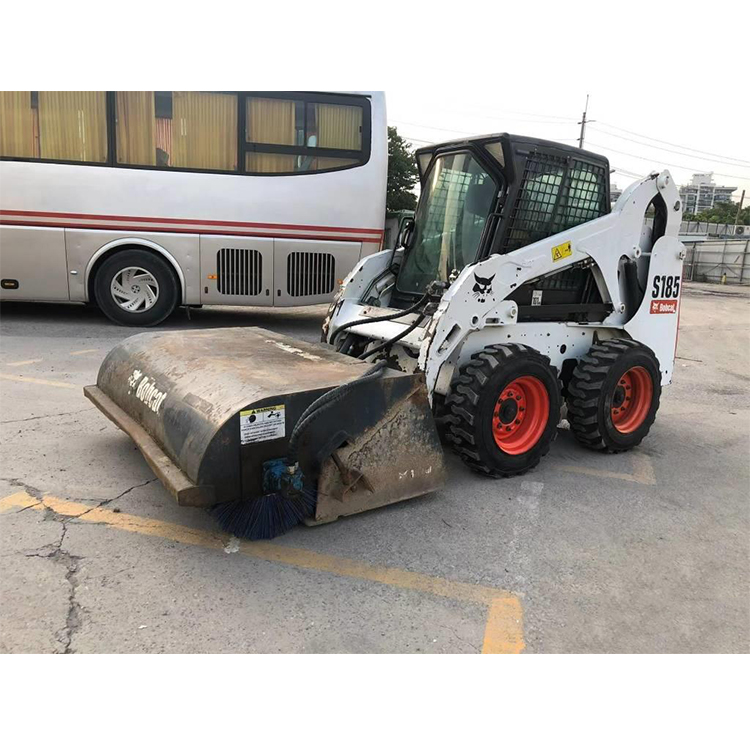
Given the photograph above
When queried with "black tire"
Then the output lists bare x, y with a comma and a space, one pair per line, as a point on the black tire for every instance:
470, 409
597, 388
166, 290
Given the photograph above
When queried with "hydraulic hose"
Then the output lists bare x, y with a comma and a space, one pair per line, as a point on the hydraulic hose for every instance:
419, 303
396, 338
323, 403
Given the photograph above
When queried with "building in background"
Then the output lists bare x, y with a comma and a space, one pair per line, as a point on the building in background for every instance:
702, 193
614, 193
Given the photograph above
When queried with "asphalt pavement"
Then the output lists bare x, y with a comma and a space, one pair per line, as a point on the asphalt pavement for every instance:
647, 551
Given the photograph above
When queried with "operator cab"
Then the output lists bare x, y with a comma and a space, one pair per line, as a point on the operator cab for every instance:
496, 194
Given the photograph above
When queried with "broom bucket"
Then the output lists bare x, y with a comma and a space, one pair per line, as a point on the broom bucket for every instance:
208, 408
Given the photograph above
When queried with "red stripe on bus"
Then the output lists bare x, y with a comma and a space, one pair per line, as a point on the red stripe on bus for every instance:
152, 230
106, 217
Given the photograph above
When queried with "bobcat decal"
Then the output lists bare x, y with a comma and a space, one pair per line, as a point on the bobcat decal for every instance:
482, 288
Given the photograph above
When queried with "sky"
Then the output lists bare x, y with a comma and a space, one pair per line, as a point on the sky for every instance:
667, 79
638, 132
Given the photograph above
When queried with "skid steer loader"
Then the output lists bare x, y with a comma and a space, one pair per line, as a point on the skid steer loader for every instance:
514, 288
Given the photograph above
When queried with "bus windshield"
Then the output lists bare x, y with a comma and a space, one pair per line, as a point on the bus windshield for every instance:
456, 200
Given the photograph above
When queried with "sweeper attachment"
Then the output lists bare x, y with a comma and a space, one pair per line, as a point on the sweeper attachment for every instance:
516, 292
269, 431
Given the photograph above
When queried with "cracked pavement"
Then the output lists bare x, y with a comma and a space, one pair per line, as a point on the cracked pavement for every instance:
602, 563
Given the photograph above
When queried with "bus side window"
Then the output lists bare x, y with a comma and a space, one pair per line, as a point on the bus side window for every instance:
56, 125
183, 129
289, 135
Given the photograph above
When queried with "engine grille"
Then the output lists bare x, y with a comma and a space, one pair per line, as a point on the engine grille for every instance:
239, 271
308, 274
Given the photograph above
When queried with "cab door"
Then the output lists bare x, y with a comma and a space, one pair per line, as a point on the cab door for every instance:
236, 270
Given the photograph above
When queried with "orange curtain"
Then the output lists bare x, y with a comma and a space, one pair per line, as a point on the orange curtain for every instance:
330, 162
73, 125
270, 121
16, 124
164, 141
339, 126
269, 163
136, 120
204, 130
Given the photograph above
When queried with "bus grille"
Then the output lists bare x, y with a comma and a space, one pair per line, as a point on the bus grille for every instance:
310, 273
239, 271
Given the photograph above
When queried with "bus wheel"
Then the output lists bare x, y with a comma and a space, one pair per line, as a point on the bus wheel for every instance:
136, 288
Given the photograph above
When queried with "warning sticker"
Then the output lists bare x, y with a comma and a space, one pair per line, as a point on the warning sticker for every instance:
258, 425
561, 251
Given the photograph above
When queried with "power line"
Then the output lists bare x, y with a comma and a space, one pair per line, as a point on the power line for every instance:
627, 172
433, 127
505, 113
418, 140
597, 145
671, 151
677, 166
421, 140
500, 114
669, 143
466, 132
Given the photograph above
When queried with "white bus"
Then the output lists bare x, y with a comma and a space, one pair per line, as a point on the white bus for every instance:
141, 201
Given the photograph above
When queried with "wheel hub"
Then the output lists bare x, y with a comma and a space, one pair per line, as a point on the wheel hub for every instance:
520, 415
631, 400
619, 398
508, 410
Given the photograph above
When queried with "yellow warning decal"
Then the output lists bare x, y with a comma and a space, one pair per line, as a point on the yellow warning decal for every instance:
561, 251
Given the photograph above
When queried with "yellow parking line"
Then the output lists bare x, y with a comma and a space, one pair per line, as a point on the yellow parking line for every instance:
37, 381
503, 631
84, 351
24, 362
18, 500
643, 470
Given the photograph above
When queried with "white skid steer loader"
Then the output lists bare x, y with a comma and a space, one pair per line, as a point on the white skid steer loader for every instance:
534, 289
514, 287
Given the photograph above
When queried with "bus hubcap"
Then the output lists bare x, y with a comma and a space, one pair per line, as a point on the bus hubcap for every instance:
135, 289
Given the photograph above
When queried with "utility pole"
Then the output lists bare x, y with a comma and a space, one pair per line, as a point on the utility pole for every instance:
739, 209
583, 122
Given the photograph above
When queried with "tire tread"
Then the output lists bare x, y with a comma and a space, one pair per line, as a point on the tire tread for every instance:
465, 394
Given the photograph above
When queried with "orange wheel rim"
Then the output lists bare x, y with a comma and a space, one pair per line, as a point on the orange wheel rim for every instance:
521, 415
631, 399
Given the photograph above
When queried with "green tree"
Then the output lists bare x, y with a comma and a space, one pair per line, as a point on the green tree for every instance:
721, 213
402, 174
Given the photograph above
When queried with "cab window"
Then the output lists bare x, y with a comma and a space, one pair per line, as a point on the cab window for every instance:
456, 201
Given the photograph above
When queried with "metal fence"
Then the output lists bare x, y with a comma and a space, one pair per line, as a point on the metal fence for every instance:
713, 228
710, 229
719, 261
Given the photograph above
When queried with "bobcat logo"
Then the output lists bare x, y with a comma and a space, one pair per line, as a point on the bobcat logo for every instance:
482, 288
